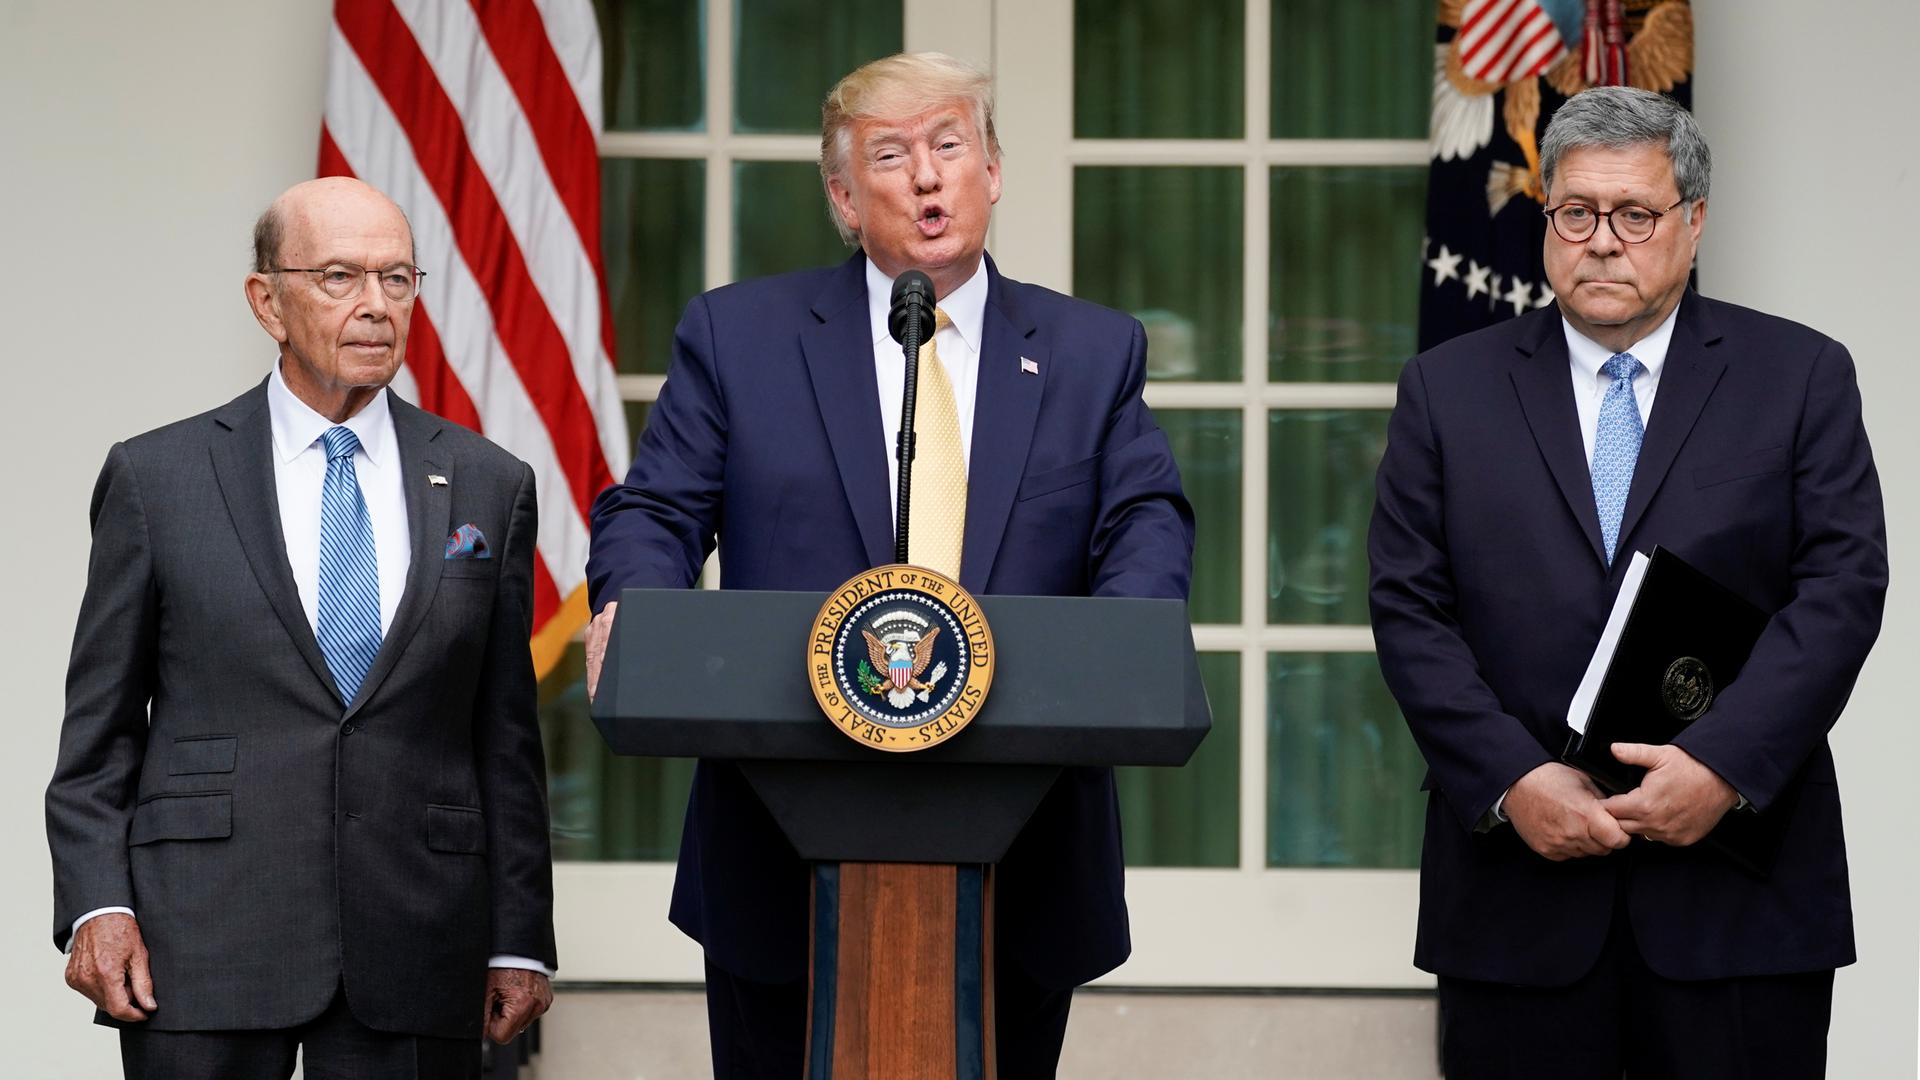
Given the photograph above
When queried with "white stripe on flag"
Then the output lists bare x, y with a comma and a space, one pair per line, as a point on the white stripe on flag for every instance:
575, 35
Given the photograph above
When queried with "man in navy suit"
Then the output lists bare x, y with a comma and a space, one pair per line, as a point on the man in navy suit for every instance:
1576, 935
773, 436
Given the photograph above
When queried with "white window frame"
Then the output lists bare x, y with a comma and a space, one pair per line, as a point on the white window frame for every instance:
1249, 926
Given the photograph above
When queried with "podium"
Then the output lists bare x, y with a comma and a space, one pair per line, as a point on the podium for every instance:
901, 973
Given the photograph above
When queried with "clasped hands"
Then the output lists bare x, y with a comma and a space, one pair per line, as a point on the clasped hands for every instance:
1561, 814
109, 965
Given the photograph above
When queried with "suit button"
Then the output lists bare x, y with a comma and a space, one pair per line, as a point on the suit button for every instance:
352, 816
346, 729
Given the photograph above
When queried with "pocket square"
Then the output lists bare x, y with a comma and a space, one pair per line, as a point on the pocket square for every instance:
468, 542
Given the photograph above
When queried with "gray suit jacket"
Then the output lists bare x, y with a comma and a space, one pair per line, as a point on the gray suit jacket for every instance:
273, 840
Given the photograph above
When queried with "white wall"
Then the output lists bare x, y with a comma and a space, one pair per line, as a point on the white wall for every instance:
1809, 108
138, 140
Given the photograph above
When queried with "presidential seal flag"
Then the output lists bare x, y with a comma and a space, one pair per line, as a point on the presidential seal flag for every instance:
1501, 68
482, 121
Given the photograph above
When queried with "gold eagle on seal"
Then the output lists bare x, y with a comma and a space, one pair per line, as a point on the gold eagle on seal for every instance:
902, 661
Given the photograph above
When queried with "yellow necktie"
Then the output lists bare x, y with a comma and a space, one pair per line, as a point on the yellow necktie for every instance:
937, 513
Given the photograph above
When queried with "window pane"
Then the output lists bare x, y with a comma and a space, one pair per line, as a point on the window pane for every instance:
1190, 816
789, 53
1159, 69
1360, 69
1344, 297
651, 51
1206, 444
780, 219
1343, 774
1165, 243
654, 239
1319, 496
605, 807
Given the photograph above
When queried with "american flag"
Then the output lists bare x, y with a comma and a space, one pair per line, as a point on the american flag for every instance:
481, 118
1502, 41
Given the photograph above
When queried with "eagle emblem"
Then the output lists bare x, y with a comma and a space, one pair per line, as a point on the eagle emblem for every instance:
903, 655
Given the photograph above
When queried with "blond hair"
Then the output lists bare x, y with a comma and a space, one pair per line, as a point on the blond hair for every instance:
892, 88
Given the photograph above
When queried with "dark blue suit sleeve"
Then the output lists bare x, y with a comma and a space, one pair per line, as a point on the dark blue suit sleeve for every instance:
657, 528
1768, 722
1143, 532
1474, 748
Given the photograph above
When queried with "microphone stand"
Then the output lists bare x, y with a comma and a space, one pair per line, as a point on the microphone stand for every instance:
903, 450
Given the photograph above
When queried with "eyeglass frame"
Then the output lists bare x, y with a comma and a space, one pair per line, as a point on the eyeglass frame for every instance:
361, 284
1606, 216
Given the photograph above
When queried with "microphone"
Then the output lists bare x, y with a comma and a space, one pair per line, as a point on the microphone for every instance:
909, 320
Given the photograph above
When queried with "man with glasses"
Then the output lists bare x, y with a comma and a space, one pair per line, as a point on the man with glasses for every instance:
1577, 935
299, 802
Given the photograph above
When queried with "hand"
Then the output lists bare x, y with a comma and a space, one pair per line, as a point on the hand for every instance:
597, 632
1558, 811
516, 997
108, 954
1678, 802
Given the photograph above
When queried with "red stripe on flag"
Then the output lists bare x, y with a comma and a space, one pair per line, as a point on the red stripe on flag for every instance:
534, 345
440, 389
518, 37
441, 392
546, 595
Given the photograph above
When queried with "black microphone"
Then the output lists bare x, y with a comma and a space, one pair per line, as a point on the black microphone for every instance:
909, 320
912, 307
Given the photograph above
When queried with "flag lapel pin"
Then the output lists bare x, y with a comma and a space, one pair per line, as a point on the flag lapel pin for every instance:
1029, 367
436, 480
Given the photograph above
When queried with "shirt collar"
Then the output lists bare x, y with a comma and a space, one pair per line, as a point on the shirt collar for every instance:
1589, 356
966, 306
296, 427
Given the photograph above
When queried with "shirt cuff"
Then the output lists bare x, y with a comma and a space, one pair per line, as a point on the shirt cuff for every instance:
509, 961
95, 913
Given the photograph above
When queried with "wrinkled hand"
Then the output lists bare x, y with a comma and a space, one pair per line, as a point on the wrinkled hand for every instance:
1558, 811
1678, 802
597, 632
515, 998
109, 965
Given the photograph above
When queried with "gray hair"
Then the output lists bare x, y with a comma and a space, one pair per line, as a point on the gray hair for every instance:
1616, 117
268, 232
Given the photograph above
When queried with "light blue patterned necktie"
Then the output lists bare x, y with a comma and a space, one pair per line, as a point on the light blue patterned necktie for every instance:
349, 608
1616, 446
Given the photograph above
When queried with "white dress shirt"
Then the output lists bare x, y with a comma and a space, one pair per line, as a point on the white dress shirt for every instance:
1587, 361
299, 471
959, 349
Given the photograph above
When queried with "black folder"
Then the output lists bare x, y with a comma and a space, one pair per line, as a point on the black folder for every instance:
1674, 640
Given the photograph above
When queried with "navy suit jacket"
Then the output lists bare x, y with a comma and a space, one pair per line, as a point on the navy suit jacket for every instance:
767, 439
1489, 592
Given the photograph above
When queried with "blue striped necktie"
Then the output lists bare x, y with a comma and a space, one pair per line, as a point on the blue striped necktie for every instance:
1616, 447
349, 617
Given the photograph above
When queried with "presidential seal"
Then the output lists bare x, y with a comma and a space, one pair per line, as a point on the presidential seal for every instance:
900, 658
1687, 688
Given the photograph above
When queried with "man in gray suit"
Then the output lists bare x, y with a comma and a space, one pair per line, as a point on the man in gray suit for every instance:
300, 794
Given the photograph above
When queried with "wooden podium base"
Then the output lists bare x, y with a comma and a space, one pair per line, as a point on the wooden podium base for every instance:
901, 972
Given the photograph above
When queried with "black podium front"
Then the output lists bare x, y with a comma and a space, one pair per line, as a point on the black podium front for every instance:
1078, 681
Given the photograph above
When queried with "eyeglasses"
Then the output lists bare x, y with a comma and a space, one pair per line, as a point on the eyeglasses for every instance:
1576, 223
343, 281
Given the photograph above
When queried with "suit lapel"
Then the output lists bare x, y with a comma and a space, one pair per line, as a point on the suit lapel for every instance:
1692, 370
429, 509
1546, 396
839, 353
243, 466
1006, 406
